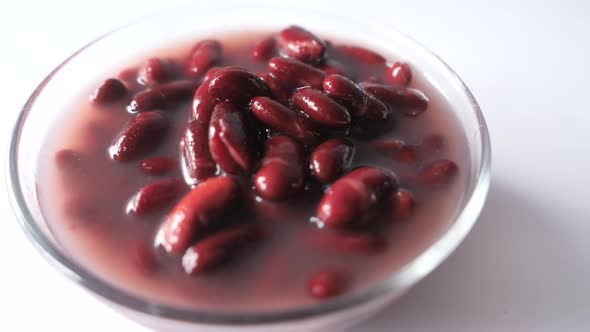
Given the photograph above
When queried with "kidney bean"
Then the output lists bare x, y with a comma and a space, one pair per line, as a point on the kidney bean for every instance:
158, 165
356, 99
403, 204
140, 134
237, 85
68, 159
229, 141
278, 90
407, 101
331, 159
196, 211
281, 119
162, 96
264, 49
296, 73
217, 248
109, 91
197, 162
155, 196
432, 144
206, 54
346, 242
209, 74
281, 173
321, 108
407, 154
355, 196
399, 74
155, 71
437, 173
387, 146
361, 54
298, 43
327, 283
398, 149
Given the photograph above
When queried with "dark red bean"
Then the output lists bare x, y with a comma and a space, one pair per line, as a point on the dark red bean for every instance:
327, 283
209, 74
354, 197
407, 101
162, 96
217, 248
403, 204
155, 196
283, 120
109, 91
264, 49
399, 74
237, 85
197, 210
358, 102
206, 54
321, 108
203, 102
437, 173
296, 73
298, 43
197, 162
398, 149
230, 142
67, 159
346, 242
432, 144
361, 54
331, 159
407, 154
158, 165
140, 134
387, 146
282, 170
155, 71
279, 91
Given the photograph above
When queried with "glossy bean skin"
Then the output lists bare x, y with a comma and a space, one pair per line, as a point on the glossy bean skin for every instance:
155, 71
437, 173
321, 108
298, 43
155, 196
279, 90
205, 54
355, 98
237, 85
296, 73
162, 96
264, 49
327, 283
331, 159
140, 134
403, 204
399, 74
109, 91
407, 101
158, 165
196, 160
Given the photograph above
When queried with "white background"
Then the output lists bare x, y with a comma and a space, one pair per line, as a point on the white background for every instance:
525, 266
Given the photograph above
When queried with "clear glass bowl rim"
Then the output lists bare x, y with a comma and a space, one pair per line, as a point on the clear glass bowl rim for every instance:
399, 281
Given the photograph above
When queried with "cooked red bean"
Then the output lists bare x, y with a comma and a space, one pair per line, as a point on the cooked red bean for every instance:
298, 43
230, 142
432, 144
403, 204
346, 242
154, 71
387, 145
197, 162
140, 134
399, 74
281, 173
331, 159
162, 96
264, 49
398, 150
437, 173
67, 159
283, 120
407, 101
155, 196
158, 165
278, 89
407, 154
197, 210
358, 102
237, 85
296, 73
354, 197
321, 108
205, 54
326, 284
203, 103
217, 248
361, 54
109, 91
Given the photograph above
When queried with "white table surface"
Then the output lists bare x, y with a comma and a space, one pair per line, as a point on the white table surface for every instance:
525, 266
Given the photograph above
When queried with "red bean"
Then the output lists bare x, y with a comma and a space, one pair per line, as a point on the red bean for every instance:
209, 74
346, 242
432, 144
407, 154
281, 173
162, 96
109, 91
296, 73
197, 162
407, 101
155, 196
387, 146
298, 43
203, 103
399, 74
154, 71
158, 165
321, 108
354, 197
197, 210
398, 149
403, 204
264, 49
140, 134
237, 85
331, 159
67, 159
361, 54
217, 248
206, 54
351, 95
327, 283
283, 120
229, 141
437, 173
278, 89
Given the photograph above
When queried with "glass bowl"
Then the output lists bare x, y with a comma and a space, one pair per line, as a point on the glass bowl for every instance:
48, 101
